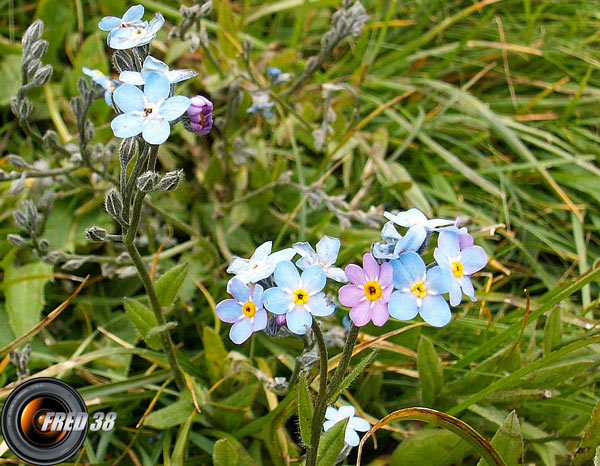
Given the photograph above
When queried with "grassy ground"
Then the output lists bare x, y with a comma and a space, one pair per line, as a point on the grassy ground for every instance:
484, 110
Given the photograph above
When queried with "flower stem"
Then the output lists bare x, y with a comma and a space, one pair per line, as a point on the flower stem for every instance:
340, 372
142, 270
321, 402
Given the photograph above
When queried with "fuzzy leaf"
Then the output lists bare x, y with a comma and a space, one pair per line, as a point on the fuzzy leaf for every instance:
590, 441
331, 444
353, 374
143, 320
174, 414
508, 441
305, 411
216, 357
225, 454
552, 331
430, 371
168, 285
438, 447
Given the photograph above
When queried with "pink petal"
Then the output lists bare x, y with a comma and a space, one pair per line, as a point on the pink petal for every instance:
350, 295
379, 313
360, 314
355, 274
386, 274
386, 293
371, 267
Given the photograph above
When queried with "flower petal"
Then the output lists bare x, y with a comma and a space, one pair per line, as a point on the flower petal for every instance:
361, 313
350, 295
257, 295
283, 255
351, 437
455, 293
240, 331
319, 305
229, 310
337, 274
174, 107
297, 319
129, 98
346, 411
473, 259
389, 232
467, 287
277, 300
407, 219
355, 274
414, 239
155, 24
403, 306
131, 77
370, 266
435, 311
328, 249
409, 268
133, 13
287, 276
154, 64
448, 242
108, 23
304, 263
379, 313
304, 249
328, 425
127, 125
313, 279
262, 251
439, 280
239, 290
156, 87
237, 265
386, 274
465, 240
331, 414
360, 424
442, 258
176, 76
259, 322
156, 130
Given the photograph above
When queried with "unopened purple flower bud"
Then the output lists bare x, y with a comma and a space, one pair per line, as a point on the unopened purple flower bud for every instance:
280, 319
200, 114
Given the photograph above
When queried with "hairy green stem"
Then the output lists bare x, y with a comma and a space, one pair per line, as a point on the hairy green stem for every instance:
340, 372
321, 401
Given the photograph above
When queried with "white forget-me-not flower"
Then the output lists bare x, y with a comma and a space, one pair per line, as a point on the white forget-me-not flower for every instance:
261, 265
355, 423
418, 225
136, 35
132, 17
328, 249
298, 297
148, 112
153, 65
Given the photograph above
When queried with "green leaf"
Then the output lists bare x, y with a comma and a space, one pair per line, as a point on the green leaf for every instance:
431, 447
590, 441
552, 331
305, 411
353, 374
173, 415
168, 285
11, 78
178, 456
508, 441
24, 293
331, 444
215, 354
143, 320
431, 374
225, 454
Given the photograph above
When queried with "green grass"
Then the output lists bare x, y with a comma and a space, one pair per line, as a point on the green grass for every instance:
498, 125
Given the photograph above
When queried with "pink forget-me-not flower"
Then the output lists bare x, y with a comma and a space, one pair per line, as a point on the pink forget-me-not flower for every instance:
369, 292
149, 111
298, 297
245, 311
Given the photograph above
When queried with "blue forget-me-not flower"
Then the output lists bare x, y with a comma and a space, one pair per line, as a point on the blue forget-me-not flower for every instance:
109, 85
245, 311
149, 111
418, 290
130, 31
418, 226
298, 297
153, 65
328, 249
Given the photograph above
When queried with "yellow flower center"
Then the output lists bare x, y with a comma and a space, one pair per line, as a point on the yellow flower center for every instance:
419, 289
300, 296
457, 269
373, 290
249, 309
139, 31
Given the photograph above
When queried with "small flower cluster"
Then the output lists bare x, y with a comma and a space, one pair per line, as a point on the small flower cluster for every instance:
142, 96
393, 281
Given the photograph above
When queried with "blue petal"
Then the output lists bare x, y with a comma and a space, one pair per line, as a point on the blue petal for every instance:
305, 249
286, 276
297, 319
280, 256
257, 296
263, 251
108, 97
403, 306
467, 287
415, 236
177, 76
328, 249
277, 301
319, 305
238, 290
473, 259
313, 279
157, 87
229, 310
384, 251
304, 263
409, 268
153, 64
448, 242
131, 77
439, 280
135, 12
351, 437
174, 107
121, 39
259, 321
127, 125
156, 23
129, 98
407, 219
389, 232
435, 311
240, 331
156, 131
455, 293
108, 23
